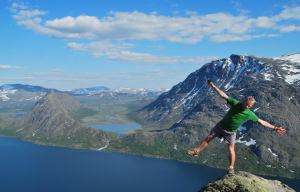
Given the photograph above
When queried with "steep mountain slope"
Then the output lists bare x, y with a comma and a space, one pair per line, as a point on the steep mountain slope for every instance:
171, 106
228, 73
186, 113
50, 115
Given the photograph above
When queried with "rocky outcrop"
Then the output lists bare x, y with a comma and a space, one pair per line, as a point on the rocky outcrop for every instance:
246, 182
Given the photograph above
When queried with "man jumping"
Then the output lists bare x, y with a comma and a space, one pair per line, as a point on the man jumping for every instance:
238, 114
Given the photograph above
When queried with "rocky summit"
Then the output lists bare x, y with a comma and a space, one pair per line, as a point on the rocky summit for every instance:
245, 182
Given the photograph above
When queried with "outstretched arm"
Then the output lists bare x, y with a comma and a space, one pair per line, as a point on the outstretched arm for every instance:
279, 130
220, 92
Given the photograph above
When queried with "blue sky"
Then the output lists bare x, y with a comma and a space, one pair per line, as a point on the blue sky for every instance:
139, 44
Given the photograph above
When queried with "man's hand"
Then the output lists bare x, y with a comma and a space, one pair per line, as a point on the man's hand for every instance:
221, 93
210, 82
280, 130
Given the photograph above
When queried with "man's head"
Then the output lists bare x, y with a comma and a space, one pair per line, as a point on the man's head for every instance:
249, 102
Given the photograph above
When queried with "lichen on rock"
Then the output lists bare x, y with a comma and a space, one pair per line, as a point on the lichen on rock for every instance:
245, 182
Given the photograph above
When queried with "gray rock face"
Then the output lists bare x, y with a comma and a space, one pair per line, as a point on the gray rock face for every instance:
246, 182
51, 116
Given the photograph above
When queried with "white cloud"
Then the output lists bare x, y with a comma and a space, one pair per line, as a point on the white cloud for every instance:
239, 37
289, 28
8, 67
264, 22
191, 28
288, 13
120, 52
136, 26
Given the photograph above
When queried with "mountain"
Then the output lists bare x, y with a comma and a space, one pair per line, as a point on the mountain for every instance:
291, 65
50, 115
171, 106
51, 120
244, 181
22, 92
101, 90
293, 58
90, 90
141, 92
184, 115
29, 88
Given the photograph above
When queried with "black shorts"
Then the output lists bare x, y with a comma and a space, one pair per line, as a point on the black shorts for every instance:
221, 132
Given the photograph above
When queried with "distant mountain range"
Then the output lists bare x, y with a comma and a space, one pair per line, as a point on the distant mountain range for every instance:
24, 87
31, 92
90, 90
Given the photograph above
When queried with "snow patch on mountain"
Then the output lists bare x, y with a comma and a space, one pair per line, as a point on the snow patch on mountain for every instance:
140, 91
4, 94
35, 98
246, 65
190, 95
274, 154
293, 72
295, 58
268, 76
90, 90
130, 90
291, 64
247, 143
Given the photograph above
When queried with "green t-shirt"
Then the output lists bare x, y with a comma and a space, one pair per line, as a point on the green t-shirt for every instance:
237, 116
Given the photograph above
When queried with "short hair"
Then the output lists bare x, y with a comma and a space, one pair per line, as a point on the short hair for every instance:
250, 100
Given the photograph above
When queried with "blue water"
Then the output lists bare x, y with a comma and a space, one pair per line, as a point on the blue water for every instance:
117, 128
35, 168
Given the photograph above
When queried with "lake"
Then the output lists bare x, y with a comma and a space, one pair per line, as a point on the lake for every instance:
120, 129
34, 168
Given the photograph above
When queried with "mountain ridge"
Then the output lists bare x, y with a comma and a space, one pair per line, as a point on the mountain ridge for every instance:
201, 108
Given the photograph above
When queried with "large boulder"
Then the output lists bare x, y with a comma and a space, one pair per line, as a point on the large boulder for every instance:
245, 182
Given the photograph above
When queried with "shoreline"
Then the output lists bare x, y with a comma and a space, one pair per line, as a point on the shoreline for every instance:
133, 154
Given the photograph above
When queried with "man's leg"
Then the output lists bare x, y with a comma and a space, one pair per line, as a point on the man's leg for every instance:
203, 144
231, 158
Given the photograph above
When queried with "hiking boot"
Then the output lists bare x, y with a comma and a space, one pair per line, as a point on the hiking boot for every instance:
193, 152
231, 171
